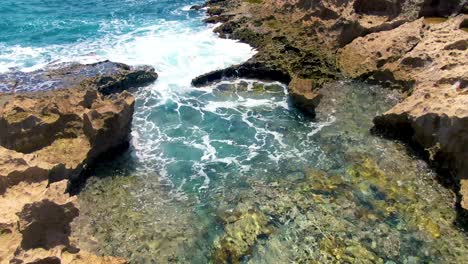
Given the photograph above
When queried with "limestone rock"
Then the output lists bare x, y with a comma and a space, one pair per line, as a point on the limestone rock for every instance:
435, 115
301, 38
67, 126
368, 54
303, 95
50, 136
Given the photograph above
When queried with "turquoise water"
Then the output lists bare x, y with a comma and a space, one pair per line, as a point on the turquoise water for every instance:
232, 172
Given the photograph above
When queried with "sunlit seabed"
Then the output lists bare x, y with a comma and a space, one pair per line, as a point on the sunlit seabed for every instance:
328, 189
232, 169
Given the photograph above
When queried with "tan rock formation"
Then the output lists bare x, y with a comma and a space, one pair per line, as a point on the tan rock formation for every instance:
67, 128
48, 138
303, 94
432, 57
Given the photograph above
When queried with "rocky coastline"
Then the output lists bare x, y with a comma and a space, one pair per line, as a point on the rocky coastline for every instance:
57, 122
54, 124
418, 47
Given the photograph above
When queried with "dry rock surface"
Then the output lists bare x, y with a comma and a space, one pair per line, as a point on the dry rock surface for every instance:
419, 46
48, 138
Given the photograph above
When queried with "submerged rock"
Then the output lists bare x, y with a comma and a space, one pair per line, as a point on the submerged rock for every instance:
49, 137
242, 228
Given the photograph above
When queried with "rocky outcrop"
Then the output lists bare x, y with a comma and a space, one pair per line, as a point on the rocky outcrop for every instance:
107, 77
300, 39
431, 56
49, 137
418, 46
303, 95
35, 227
68, 128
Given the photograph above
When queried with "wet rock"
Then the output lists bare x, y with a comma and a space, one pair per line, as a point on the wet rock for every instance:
216, 19
196, 7
241, 230
303, 95
247, 70
107, 77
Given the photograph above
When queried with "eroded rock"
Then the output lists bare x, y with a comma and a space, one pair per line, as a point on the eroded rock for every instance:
303, 95
67, 126
49, 137
434, 116
107, 77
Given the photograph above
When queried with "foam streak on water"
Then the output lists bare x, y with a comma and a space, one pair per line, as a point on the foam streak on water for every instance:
207, 164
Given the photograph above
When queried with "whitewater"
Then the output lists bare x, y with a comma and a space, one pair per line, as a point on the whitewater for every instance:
238, 148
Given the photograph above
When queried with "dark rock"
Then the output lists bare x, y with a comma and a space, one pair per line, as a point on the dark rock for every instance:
247, 70
46, 224
106, 76
196, 7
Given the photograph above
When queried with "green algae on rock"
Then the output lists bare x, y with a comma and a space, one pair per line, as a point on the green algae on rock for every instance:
243, 226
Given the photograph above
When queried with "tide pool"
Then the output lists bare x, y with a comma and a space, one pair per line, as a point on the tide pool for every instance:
232, 171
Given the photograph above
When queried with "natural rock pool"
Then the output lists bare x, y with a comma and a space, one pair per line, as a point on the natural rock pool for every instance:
233, 172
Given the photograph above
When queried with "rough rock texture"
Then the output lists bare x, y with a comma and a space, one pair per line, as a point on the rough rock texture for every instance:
106, 76
408, 44
67, 128
300, 38
432, 57
303, 95
48, 138
242, 228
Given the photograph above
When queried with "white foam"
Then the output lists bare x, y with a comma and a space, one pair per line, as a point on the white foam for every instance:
180, 52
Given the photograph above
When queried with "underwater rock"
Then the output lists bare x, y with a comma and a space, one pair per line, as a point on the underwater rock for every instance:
242, 228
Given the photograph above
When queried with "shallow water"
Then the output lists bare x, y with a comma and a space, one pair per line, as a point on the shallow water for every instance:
231, 171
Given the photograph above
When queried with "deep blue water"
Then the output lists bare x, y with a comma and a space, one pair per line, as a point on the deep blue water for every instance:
329, 189
40, 23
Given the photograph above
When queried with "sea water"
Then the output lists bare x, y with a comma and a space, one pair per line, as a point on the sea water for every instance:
232, 171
